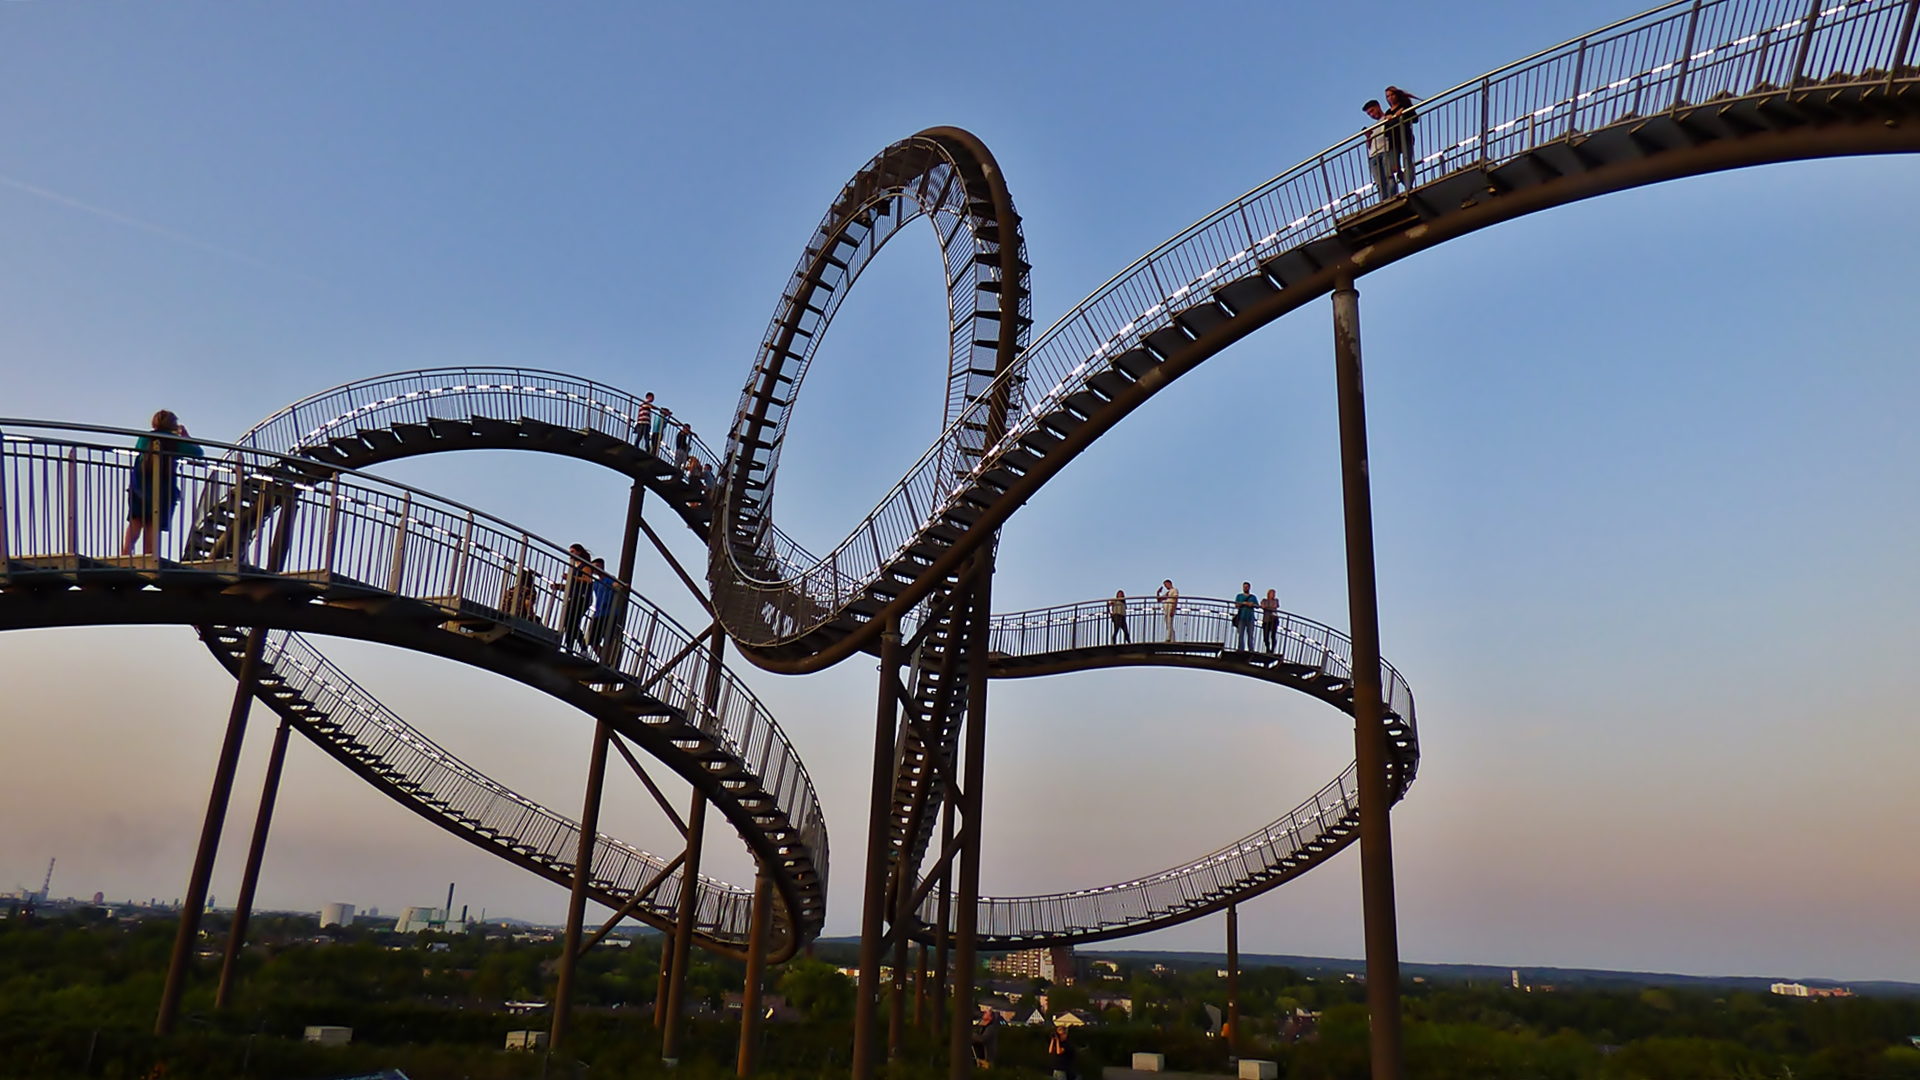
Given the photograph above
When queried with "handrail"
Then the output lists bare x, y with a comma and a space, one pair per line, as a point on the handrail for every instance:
65, 501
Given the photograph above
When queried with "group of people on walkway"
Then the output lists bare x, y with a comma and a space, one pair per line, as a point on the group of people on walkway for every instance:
1248, 610
589, 596
1390, 142
650, 424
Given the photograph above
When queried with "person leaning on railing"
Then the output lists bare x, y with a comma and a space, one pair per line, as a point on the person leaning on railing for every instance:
1400, 120
153, 490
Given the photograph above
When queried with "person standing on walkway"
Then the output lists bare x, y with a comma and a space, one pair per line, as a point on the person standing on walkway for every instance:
602, 590
1169, 598
1270, 619
1400, 119
683, 443
1117, 611
577, 592
662, 416
643, 422
153, 490
1060, 1055
1244, 605
1380, 151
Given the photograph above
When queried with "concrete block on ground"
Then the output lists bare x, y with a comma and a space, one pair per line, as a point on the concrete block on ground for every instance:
526, 1040
329, 1035
1150, 1062
1255, 1069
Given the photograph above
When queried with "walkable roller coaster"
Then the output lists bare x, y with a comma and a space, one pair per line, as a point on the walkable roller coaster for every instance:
284, 535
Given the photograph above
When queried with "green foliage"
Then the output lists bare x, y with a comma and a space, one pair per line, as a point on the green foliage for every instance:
817, 989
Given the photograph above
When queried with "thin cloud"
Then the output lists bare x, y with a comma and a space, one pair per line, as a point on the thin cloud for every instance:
157, 230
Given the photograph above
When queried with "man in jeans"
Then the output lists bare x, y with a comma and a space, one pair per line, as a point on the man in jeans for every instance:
1244, 606
1380, 152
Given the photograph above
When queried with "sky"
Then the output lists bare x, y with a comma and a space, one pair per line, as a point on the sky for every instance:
1643, 467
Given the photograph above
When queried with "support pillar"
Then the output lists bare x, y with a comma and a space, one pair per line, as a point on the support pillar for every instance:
886, 723
690, 875
920, 988
582, 873
756, 971
1233, 980
256, 853
1369, 730
941, 964
186, 941
683, 931
966, 957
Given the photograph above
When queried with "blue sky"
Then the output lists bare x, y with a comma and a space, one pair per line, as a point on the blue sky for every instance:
1643, 467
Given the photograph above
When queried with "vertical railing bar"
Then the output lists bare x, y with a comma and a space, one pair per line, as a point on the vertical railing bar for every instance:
73, 501
1686, 57
396, 571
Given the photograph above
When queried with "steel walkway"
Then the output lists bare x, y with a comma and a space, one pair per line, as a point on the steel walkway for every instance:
295, 544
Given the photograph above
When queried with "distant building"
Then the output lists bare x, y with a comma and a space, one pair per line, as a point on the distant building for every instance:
336, 915
413, 920
1055, 964
1795, 989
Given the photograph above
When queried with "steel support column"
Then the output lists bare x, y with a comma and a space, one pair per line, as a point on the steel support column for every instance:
582, 874
756, 971
690, 874
187, 939
256, 853
966, 927
879, 810
1369, 730
944, 914
920, 987
1233, 980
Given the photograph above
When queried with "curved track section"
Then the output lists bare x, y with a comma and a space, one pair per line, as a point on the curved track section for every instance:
780, 603
1689, 88
1307, 656
293, 544
347, 722
433, 410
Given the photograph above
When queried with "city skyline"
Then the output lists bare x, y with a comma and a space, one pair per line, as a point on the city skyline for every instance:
1641, 467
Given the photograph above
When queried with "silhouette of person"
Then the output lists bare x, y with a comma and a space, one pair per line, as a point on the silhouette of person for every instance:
153, 490
1117, 611
1244, 605
1169, 598
1270, 619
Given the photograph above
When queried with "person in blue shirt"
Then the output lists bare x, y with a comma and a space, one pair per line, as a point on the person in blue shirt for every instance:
152, 490
603, 591
1244, 606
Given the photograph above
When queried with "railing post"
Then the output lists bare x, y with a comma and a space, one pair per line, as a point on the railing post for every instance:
6, 521
1234, 1042
1686, 57
73, 501
1376, 838
333, 525
1486, 122
1806, 42
1903, 41
396, 574
459, 589
1573, 98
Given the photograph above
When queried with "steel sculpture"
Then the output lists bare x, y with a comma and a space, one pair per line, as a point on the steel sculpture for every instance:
1691, 87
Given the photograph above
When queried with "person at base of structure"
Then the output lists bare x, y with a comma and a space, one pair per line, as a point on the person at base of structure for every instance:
1060, 1055
986, 1039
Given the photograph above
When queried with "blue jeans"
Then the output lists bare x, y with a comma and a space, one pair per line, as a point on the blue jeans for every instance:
1243, 631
